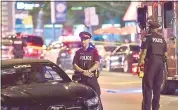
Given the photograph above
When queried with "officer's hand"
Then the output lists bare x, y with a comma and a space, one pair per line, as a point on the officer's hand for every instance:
140, 71
86, 73
91, 74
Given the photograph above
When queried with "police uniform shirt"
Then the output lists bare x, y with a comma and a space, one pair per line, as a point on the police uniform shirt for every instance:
85, 59
18, 44
155, 44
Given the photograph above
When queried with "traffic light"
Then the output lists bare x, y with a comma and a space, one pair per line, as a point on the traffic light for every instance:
168, 13
141, 16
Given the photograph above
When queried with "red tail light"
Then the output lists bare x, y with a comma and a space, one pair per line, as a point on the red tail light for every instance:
69, 52
134, 69
136, 55
29, 43
30, 50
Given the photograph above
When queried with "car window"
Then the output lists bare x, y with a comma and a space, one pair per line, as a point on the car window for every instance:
109, 48
26, 74
35, 40
122, 49
58, 45
134, 48
51, 74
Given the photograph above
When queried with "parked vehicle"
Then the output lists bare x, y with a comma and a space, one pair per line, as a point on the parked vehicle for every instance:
5, 46
37, 84
125, 57
105, 51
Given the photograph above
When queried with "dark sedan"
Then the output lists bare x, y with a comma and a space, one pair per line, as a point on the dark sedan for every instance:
36, 84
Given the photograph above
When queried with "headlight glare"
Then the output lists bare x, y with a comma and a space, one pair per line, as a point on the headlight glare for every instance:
92, 102
4, 108
114, 58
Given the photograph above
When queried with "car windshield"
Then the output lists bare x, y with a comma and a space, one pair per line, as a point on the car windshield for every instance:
27, 74
110, 48
135, 48
34, 40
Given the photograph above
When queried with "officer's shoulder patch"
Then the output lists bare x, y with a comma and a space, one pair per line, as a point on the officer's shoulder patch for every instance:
95, 50
90, 48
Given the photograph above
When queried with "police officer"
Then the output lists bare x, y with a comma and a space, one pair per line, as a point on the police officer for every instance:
86, 63
18, 45
153, 51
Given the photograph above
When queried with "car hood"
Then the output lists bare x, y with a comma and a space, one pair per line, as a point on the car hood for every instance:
46, 92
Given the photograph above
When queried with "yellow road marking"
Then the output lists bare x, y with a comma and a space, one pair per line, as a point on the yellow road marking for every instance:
122, 83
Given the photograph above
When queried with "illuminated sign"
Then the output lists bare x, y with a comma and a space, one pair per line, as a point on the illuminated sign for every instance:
21, 15
26, 5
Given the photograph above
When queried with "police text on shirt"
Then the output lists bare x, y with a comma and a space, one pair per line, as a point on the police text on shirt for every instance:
85, 57
159, 40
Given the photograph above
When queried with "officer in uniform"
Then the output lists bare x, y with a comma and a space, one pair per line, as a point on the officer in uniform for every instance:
86, 63
154, 50
18, 45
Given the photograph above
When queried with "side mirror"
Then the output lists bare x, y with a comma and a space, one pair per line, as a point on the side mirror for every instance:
76, 77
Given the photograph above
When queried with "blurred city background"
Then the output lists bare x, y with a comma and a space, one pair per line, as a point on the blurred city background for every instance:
51, 30
35, 18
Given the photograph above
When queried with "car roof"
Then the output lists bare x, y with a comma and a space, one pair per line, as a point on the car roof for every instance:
128, 44
22, 61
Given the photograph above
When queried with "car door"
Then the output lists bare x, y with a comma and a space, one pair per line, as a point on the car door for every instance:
121, 53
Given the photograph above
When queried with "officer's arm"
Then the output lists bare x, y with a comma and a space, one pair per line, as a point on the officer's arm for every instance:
10, 50
144, 47
142, 56
24, 44
95, 66
77, 68
96, 59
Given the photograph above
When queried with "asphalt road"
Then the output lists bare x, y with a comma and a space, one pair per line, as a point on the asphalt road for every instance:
122, 91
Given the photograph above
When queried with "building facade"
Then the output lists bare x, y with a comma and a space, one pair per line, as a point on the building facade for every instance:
7, 17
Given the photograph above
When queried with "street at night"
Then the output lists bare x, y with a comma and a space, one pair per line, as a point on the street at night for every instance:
52, 52
122, 91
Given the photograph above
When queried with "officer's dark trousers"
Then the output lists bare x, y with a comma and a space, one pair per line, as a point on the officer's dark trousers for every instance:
18, 57
18, 54
152, 80
93, 83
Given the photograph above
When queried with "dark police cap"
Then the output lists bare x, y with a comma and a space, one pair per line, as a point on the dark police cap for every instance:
85, 35
153, 24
